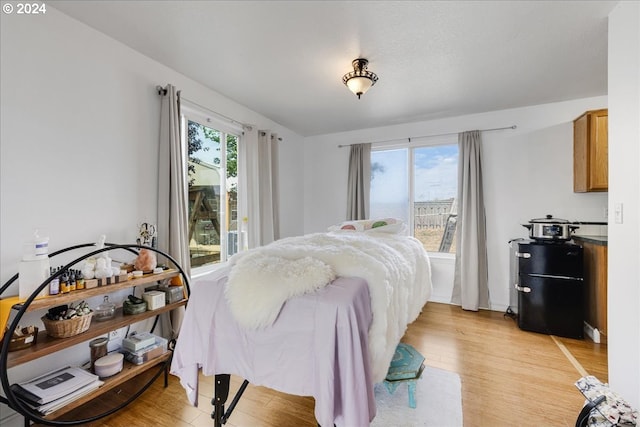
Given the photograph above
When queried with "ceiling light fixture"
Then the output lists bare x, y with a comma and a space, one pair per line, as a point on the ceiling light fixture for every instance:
360, 79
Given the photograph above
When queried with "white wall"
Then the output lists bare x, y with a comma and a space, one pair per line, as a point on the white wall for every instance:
528, 172
79, 136
624, 188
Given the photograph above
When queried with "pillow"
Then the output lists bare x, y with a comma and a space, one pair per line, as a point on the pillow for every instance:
384, 225
350, 226
397, 228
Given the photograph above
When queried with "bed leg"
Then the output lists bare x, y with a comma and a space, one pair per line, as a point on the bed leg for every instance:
221, 395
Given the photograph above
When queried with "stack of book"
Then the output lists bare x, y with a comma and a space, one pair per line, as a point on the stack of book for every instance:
50, 392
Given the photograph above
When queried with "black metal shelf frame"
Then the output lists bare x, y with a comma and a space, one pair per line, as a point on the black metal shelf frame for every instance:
30, 414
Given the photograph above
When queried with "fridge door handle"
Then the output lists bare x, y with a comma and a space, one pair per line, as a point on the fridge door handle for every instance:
524, 289
552, 276
523, 254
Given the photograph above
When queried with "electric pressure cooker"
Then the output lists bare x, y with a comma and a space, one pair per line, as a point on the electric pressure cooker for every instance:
550, 229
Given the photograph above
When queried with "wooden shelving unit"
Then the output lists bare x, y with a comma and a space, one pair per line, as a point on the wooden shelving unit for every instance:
47, 345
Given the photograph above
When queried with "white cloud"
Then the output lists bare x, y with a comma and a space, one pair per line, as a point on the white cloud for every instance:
438, 181
435, 178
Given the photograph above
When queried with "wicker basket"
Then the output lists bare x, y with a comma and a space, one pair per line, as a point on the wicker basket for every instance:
67, 328
28, 339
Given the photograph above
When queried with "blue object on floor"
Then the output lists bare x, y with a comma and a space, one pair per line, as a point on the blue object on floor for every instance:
406, 366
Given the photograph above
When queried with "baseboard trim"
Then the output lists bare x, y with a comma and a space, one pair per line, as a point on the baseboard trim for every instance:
440, 299
447, 300
592, 333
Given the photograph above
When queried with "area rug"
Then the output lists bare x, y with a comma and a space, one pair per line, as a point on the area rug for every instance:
438, 402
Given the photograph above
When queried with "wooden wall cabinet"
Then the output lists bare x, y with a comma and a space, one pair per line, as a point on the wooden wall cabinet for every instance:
590, 152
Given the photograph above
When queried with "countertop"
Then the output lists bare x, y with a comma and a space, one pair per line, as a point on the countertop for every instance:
598, 240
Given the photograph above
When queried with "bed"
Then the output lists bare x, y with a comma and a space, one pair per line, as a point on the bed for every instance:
337, 305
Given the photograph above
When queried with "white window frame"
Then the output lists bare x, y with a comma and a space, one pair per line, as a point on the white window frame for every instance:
198, 115
411, 144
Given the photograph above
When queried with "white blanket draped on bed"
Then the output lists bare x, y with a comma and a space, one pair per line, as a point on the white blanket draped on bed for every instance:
395, 267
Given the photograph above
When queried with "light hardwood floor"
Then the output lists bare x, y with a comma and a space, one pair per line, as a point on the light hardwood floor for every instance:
509, 378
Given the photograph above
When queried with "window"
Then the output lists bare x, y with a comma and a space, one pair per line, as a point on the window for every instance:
213, 189
418, 185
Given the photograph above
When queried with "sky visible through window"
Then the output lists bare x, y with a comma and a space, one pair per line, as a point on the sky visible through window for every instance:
436, 172
435, 169
210, 151
210, 148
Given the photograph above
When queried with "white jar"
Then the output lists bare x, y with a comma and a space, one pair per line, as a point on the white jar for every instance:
33, 270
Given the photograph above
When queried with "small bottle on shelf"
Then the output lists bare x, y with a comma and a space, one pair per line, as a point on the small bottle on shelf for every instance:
64, 283
79, 280
72, 281
54, 284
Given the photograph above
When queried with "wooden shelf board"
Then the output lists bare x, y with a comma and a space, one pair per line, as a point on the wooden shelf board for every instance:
129, 371
47, 345
61, 299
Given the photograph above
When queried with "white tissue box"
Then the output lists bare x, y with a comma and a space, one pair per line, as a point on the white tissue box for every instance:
154, 299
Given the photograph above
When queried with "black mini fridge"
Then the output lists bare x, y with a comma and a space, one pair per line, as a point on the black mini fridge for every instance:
548, 285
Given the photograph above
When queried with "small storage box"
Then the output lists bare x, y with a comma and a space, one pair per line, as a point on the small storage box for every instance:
147, 353
138, 341
154, 299
172, 293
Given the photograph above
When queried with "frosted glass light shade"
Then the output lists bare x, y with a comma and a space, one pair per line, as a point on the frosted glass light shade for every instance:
359, 85
360, 79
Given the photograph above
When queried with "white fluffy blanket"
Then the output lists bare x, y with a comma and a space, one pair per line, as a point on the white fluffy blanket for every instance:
395, 267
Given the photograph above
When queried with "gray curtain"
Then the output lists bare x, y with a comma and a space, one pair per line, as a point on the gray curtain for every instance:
359, 182
267, 209
172, 194
470, 287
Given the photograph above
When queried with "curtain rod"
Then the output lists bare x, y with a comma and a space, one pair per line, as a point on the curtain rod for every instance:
264, 134
429, 136
162, 91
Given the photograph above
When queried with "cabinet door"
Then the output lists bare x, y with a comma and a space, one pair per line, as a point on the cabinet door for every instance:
601, 272
595, 258
590, 152
598, 151
580, 154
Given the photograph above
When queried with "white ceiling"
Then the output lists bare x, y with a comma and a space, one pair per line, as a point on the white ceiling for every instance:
285, 59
